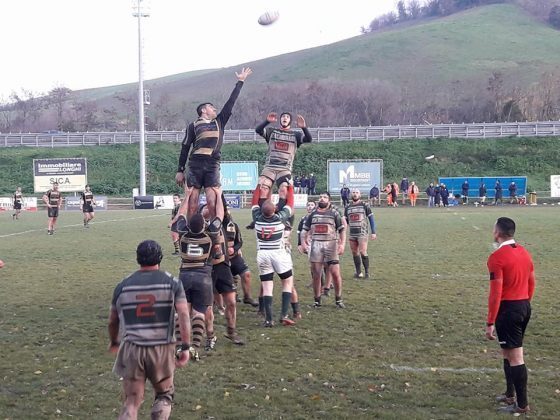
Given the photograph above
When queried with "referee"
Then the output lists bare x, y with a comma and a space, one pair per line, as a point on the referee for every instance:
512, 284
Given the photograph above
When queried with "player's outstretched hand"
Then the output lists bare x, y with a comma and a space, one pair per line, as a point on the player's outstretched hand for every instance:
490, 332
182, 358
272, 117
180, 179
300, 121
245, 72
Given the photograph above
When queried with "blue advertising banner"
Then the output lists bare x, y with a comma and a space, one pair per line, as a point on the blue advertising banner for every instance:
143, 202
234, 201
454, 185
360, 174
239, 176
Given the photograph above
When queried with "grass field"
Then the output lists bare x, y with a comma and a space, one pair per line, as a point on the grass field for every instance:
409, 345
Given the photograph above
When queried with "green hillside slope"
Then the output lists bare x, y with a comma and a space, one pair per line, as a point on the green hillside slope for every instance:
464, 47
114, 170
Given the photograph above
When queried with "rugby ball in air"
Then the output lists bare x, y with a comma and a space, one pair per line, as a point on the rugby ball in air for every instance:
429, 157
268, 18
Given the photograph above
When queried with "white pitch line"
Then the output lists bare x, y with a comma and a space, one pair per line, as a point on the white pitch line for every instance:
80, 224
475, 227
435, 369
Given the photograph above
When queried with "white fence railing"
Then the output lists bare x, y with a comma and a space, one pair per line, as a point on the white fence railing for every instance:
329, 134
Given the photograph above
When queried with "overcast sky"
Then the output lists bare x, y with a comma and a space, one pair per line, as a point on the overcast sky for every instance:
82, 44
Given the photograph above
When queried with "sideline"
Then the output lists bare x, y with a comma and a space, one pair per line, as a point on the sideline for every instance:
81, 224
435, 369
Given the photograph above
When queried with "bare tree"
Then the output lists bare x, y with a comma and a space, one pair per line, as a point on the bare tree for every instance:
58, 97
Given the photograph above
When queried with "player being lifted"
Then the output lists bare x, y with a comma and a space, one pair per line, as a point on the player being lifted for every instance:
53, 199
283, 143
202, 145
325, 229
272, 256
358, 214
87, 202
18, 201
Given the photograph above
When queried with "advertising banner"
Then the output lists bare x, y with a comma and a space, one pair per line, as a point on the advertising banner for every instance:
72, 203
144, 202
29, 204
234, 201
359, 174
300, 200
70, 173
163, 202
555, 185
239, 176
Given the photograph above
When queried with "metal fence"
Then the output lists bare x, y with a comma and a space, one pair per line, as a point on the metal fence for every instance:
328, 134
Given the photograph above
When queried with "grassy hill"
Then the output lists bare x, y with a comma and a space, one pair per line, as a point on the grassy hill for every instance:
114, 170
464, 48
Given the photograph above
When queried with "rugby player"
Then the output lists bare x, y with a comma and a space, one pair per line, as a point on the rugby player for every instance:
325, 229
18, 201
143, 308
202, 145
173, 223
358, 215
283, 143
87, 202
195, 274
272, 255
512, 285
238, 265
53, 199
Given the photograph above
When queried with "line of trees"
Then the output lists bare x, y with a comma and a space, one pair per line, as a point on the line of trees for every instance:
324, 103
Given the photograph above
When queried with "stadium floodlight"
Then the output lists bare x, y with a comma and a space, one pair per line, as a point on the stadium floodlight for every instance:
140, 11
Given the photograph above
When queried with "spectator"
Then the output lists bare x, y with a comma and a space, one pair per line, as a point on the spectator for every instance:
344, 195
404, 188
312, 184
512, 193
374, 196
431, 193
437, 195
444, 195
482, 193
389, 197
499, 193
297, 184
465, 192
395, 194
304, 184
413, 193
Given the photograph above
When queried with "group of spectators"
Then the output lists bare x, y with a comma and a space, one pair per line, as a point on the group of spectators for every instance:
305, 184
437, 193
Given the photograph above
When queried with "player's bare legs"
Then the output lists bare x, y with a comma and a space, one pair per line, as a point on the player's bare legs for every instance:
316, 271
192, 200
134, 396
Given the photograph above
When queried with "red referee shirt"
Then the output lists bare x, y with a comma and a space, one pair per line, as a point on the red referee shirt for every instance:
512, 276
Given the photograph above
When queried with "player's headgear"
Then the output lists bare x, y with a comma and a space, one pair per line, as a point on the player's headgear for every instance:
197, 223
148, 253
201, 106
288, 114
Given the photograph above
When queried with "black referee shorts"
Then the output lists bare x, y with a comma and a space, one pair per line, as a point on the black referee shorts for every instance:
511, 322
52, 211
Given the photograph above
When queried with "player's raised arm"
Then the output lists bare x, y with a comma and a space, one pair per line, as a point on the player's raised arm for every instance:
225, 113
300, 121
271, 118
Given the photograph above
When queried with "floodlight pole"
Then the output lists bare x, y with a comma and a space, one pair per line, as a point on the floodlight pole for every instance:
139, 14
